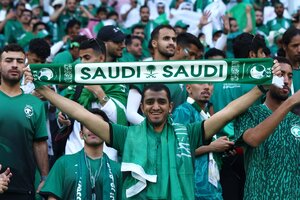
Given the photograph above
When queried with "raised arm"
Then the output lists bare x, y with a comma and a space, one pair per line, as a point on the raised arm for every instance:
231, 111
267, 127
235, 108
75, 111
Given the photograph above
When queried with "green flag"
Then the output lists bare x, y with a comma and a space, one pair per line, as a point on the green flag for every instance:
254, 71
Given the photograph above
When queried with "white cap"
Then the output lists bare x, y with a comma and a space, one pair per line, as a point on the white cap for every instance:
58, 2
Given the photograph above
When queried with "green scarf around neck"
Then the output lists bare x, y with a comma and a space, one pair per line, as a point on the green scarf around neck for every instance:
176, 162
83, 185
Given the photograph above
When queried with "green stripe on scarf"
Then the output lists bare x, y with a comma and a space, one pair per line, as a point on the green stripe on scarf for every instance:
254, 71
177, 168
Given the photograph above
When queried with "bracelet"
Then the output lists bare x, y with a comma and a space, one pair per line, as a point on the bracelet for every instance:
44, 178
262, 89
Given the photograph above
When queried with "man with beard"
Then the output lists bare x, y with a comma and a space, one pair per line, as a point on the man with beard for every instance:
164, 42
270, 134
280, 22
88, 174
196, 109
23, 132
291, 47
259, 21
114, 40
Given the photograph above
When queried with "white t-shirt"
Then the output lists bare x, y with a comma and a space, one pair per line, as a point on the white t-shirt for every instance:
133, 16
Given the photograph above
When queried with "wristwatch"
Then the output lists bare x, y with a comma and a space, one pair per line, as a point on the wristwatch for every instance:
105, 99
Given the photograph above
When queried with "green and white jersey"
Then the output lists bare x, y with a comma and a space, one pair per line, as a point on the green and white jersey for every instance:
272, 168
22, 121
69, 178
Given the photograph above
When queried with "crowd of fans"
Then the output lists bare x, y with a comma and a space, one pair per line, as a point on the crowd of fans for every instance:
228, 160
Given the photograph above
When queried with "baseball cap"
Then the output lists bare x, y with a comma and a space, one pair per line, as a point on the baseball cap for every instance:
181, 24
112, 33
58, 2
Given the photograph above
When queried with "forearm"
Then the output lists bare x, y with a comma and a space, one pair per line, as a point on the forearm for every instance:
249, 27
77, 112
54, 17
231, 111
40, 150
132, 107
203, 150
255, 136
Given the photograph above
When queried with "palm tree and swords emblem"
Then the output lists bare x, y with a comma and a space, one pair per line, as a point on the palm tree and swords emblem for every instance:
151, 69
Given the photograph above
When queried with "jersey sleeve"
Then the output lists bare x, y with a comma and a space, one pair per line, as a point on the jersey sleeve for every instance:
40, 123
196, 134
54, 183
118, 137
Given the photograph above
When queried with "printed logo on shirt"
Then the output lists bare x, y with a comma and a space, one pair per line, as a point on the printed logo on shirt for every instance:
28, 110
295, 130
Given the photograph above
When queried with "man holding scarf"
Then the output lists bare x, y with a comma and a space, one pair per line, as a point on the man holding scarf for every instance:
158, 153
88, 174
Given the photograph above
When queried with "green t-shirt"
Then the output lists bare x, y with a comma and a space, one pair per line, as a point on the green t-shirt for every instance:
63, 57
22, 121
272, 168
13, 29
119, 134
128, 57
69, 177
278, 23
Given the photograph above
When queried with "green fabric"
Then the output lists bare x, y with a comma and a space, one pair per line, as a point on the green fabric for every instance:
65, 18
223, 94
69, 177
178, 94
128, 57
272, 168
278, 23
13, 29
22, 122
155, 157
63, 57
239, 13
255, 71
189, 113
296, 79
115, 92
25, 39
262, 30
162, 19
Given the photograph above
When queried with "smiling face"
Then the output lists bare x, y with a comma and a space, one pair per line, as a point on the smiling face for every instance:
156, 108
11, 66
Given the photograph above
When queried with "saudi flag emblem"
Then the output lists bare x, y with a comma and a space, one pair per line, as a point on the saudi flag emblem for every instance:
258, 72
295, 130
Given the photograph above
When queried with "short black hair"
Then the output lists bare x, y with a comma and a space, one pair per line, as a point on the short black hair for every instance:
185, 39
214, 52
130, 38
289, 34
95, 44
156, 87
39, 47
155, 32
144, 6
246, 42
99, 112
283, 60
34, 27
12, 47
71, 23
137, 26
112, 13
102, 9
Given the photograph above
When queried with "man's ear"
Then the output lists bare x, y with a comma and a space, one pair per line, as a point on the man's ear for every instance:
81, 134
171, 106
102, 57
154, 43
252, 54
141, 107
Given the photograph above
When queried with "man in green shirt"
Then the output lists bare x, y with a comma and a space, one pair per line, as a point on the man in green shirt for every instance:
280, 22
88, 174
270, 135
158, 153
23, 134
